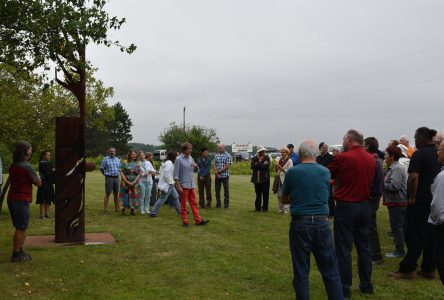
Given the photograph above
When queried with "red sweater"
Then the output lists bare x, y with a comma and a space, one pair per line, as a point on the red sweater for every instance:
353, 172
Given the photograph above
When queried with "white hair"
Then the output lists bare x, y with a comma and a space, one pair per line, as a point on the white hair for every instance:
439, 137
308, 149
404, 137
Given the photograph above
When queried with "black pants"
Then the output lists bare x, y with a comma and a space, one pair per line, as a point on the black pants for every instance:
419, 239
262, 194
204, 188
438, 237
352, 224
219, 182
374, 236
397, 226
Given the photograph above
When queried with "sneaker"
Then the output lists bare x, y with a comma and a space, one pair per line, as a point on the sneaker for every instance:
21, 258
402, 275
394, 254
153, 215
142, 213
186, 225
203, 222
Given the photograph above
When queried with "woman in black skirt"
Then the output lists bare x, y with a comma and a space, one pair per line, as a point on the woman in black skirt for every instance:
45, 193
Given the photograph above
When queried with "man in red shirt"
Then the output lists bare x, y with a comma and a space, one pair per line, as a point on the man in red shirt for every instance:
353, 172
22, 176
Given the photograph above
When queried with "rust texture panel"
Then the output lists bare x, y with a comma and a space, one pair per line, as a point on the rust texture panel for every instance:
70, 180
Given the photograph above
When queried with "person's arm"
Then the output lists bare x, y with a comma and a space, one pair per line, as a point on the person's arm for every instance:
35, 179
334, 166
378, 181
394, 180
255, 163
412, 187
103, 166
415, 168
177, 171
437, 205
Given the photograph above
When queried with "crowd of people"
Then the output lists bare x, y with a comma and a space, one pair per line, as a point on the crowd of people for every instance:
312, 184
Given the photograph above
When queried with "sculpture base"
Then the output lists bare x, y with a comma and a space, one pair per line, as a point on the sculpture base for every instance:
48, 241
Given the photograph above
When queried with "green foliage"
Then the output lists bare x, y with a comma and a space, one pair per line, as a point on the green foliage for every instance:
174, 136
119, 129
33, 33
28, 110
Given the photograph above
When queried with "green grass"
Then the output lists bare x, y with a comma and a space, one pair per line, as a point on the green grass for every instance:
239, 255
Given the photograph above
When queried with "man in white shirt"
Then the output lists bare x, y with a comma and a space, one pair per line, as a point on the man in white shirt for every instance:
437, 214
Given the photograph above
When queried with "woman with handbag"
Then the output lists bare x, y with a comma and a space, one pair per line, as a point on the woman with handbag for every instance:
283, 165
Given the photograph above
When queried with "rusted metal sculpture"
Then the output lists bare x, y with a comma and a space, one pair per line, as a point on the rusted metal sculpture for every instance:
70, 183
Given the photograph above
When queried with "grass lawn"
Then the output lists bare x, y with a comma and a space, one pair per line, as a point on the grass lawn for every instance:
239, 255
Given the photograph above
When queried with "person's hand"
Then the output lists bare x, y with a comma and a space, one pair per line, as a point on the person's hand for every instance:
179, 188
412, 201
266, 163
194, 165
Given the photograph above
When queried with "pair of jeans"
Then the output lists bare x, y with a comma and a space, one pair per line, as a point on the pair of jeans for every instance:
145, 195
262, 194
397, 224
438, 237
219, 182
418, 239
374, 236
204, 186
314, 236
170, 195
352, 225
189, 195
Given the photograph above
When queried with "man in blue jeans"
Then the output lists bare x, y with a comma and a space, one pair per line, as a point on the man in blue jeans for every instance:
308, 187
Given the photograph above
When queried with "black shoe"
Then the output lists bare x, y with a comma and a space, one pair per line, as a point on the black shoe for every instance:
218, 206
186, 225
226, 206
153, 215
203, 222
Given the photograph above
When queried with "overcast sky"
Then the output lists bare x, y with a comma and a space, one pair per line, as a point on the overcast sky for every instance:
274, 72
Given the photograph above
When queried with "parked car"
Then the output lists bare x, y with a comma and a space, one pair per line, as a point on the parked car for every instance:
159, 155
242, 156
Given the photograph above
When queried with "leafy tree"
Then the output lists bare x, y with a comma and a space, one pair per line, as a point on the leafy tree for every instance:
119, 129
35, 33
174, 136
143, 147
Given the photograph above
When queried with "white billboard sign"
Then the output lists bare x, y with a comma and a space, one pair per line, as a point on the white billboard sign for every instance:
242, 148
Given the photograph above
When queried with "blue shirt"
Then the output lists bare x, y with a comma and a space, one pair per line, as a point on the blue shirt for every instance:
111, 166
184, 171
295, 158
204, 166
220, 160
308, 185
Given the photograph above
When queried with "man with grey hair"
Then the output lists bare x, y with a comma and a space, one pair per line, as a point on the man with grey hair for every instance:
438, 139
353, 170
404, 140
307, 185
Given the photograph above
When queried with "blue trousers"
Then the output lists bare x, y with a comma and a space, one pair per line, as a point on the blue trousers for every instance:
314, 236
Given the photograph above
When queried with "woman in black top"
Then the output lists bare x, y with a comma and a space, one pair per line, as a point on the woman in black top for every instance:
45, 193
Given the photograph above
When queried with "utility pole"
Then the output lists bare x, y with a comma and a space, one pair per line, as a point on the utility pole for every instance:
184, 109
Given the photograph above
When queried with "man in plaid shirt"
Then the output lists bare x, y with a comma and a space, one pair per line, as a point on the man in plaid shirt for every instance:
222, 163
111, 169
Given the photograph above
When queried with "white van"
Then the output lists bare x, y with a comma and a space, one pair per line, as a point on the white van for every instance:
159, 155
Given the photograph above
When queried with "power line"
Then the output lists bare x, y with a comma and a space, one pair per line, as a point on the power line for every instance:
329, 74
330, 99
